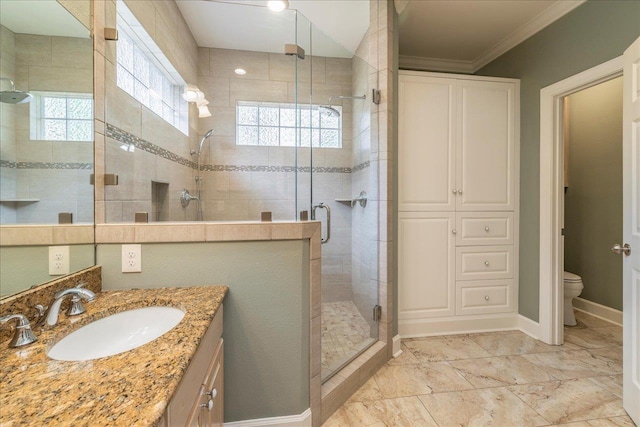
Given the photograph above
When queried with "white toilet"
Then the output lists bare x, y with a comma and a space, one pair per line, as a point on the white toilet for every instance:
572, 288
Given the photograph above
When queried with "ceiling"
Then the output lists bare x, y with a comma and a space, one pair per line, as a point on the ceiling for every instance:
248, 25
464, 35
45, 17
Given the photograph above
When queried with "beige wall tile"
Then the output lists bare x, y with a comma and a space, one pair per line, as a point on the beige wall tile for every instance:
61, 79
71, 52
21, 236
33, 50
257, 90
223, 62
170, 233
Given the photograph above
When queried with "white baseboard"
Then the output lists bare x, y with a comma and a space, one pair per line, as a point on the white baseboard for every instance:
598, 310
416, 328
529, 327
397, 346
302, 420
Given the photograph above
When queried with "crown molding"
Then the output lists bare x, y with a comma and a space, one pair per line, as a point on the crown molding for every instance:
435, 64
551, 14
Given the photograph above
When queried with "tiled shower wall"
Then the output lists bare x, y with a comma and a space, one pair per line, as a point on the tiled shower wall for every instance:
54, 172
162, 158
243, 181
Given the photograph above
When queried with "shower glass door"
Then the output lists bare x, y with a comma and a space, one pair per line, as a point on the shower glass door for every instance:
337, 180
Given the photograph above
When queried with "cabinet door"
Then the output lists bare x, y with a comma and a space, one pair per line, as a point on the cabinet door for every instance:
486, 146
426, 147
212, 403
426, 270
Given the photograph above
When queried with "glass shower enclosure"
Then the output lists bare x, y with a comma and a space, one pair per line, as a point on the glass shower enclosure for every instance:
293, 131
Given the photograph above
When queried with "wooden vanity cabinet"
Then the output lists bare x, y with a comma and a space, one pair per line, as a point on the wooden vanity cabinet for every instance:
198, 400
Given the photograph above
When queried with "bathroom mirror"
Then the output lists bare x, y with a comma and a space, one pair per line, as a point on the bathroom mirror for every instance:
46, 140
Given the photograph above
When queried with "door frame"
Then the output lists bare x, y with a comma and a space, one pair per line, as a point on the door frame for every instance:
551, 304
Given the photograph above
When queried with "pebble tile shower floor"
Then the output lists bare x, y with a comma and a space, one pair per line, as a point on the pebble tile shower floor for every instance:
502, 379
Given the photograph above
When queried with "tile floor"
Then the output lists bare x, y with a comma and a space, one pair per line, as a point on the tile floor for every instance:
502, 379
344, 334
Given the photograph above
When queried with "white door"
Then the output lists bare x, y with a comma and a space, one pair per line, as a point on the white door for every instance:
426, 266
486, 146
631, 231
426, 148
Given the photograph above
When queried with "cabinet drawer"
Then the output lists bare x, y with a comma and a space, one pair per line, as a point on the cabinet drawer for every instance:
484, 296
484, 228
484, 262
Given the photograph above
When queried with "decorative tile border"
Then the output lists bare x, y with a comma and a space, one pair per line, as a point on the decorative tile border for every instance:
361, 166
127, 138
45, 165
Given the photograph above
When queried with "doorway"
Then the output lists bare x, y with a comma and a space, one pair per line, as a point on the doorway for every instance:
550, 328
592, 201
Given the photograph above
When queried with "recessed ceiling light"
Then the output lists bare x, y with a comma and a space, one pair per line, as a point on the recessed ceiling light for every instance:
240, 71
278, 5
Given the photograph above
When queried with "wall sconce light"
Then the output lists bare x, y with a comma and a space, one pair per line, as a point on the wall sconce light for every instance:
203, 110
192, 94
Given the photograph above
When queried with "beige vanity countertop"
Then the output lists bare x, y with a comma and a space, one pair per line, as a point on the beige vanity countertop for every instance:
127, 389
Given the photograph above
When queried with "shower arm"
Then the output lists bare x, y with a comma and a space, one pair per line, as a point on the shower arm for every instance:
346, 97
13, 85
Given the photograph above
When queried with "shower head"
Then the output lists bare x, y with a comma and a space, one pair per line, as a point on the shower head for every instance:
328, 111
206, 135
14, 96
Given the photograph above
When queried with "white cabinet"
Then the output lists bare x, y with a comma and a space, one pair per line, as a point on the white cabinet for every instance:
426, 257
198, 400
457, 147
458, 202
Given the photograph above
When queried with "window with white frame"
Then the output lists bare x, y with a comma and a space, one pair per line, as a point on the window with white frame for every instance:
140, 74
273, 124
61, 116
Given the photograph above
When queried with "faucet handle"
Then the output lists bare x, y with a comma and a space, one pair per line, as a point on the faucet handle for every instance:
23, 335
76, 306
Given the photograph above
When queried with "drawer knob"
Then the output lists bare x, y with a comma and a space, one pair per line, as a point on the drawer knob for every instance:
486, 263
486, 228
486, 297
454, 191
453, 231
213, 393
208, 405
460, 192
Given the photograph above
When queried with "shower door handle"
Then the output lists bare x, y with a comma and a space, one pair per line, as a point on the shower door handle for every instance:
313, 217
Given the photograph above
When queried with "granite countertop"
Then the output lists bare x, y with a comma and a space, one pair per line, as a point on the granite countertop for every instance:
127, 389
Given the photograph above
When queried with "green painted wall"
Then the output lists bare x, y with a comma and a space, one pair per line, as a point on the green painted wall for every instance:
266, 314
24, 266
592, 34
593, 199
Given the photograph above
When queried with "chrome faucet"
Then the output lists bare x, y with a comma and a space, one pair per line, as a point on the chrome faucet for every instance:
50, 317
23, 335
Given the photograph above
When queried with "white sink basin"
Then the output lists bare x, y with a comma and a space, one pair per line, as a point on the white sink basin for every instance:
116, 333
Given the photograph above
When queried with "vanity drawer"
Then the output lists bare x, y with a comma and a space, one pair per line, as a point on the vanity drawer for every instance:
484, 228
484, 262
484, 296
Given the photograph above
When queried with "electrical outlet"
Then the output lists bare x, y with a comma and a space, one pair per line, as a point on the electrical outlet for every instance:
131, 258
58, 260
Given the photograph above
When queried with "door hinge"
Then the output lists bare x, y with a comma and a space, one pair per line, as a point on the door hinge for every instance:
377, 313
562, 232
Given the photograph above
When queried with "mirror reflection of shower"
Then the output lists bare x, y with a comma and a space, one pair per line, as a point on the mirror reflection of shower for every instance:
14, 96
198, 177
329, 111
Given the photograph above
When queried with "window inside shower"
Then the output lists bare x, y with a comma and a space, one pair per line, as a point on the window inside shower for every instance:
60, 116
276, 125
